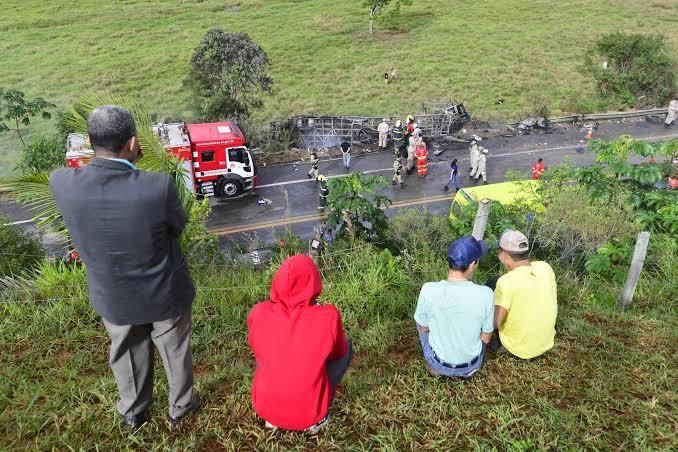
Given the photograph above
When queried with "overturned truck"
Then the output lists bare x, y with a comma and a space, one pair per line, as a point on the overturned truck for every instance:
329, 131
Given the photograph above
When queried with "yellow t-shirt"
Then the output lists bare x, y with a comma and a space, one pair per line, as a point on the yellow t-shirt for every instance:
529, 295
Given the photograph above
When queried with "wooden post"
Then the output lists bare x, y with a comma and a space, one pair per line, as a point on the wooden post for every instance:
636, 267
480, 223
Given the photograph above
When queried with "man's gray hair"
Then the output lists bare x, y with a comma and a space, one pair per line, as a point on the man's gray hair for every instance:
109, 127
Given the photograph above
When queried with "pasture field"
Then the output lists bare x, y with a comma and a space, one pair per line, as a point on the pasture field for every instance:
527, 53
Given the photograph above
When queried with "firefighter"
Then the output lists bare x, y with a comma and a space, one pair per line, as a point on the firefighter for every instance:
397, 172
474, 155
397, 135
324, 192
411, 148
410, 124
382, 128
672, 113
537, 169
481, 169
313, 172
422, 158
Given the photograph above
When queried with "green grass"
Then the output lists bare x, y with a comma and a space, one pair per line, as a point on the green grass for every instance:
323, 60
609, 383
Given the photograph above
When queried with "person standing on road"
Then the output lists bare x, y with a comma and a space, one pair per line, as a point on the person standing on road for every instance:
324, 192
454, 172
313, 172
346, 154
422, 158
383, 128
397, 172
672, 114
481, 169
474, 156
411, 148
126, 224
537, 169
397, 135
454, 317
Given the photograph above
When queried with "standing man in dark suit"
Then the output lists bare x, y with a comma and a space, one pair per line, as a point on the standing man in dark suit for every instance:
126, 224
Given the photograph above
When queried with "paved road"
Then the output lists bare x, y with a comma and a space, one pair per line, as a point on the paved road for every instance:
295, 198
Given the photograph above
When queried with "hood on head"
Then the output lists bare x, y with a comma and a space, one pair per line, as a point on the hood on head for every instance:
297, 282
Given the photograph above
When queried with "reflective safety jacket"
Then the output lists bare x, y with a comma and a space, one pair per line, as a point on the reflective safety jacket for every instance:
537, 169
397, 133
422, 155
397, 167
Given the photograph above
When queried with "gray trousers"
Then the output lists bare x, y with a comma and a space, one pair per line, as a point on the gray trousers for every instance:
131, 359
337, 369
346, 157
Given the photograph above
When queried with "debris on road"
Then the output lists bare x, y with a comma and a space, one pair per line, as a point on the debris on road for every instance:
264, 201
527, 125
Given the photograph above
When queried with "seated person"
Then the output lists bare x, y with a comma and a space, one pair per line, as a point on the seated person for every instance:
300, 350
525, 300
454, 317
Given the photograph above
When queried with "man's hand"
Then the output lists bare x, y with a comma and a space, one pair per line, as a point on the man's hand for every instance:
499, 316
423, 329
485, 338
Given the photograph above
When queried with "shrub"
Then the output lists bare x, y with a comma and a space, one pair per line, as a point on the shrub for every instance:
640, 71
19, 251
228, 71
43, 153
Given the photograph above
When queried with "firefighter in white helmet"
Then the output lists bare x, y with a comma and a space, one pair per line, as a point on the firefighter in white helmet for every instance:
481, 168
474, 155
397, 172
382, 128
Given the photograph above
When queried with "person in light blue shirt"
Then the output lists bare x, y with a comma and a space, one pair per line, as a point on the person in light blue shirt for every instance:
455, 316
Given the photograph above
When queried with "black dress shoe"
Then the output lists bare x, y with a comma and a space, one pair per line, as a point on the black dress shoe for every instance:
134, 421
195, 407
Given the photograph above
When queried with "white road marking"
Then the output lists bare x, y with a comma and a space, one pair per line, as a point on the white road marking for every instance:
557, 148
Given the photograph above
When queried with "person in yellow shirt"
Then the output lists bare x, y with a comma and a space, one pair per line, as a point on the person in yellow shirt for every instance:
525, 300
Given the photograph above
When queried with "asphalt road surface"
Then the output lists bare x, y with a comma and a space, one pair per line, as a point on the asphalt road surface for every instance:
294, 197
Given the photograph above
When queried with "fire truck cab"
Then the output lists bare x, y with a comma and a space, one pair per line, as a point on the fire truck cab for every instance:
214, 155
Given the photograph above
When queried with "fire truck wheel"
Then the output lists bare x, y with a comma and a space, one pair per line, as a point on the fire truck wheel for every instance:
230, 188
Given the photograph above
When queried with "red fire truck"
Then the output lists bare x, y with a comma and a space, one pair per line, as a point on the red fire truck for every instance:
214, 155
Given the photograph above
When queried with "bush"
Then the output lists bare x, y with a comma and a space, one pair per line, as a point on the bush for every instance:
20, 252
640, 71
43, 153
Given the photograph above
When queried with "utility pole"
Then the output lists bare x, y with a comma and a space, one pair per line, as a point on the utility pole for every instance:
636, 267
482, 215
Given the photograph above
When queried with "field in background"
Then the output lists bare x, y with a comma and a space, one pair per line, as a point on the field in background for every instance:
323, 60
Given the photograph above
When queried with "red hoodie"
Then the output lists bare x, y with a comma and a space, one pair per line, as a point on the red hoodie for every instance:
292, 339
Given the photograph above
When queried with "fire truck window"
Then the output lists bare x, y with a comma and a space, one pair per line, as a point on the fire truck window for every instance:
238, 155
207, 156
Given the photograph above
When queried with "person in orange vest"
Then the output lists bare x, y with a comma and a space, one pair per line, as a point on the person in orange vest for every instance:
537, 169
422, 158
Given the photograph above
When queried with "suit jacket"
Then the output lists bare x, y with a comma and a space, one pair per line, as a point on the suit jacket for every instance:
126, 225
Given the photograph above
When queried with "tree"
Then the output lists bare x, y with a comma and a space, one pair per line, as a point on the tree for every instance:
228, 73
633, 69
355, 206
378, 7
16, 108
43, 153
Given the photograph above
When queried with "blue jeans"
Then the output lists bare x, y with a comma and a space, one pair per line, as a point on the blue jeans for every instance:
437, 366
336, 369
453, 179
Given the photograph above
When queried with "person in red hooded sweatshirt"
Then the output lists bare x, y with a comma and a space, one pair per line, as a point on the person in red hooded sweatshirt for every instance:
300, 349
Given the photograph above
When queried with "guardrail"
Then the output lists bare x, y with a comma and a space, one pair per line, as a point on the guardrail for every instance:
605, 116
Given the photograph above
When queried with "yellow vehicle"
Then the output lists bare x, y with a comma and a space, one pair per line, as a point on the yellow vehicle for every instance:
506, 193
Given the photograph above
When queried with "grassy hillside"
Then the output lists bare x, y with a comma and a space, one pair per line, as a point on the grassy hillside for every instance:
525, 52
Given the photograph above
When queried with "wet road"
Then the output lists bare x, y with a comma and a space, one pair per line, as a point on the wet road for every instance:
294, 197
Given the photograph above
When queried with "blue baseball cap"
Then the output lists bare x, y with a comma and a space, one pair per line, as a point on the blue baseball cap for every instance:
462, 252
